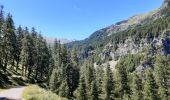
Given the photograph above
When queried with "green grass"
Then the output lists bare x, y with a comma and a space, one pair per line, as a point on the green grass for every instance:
34, 92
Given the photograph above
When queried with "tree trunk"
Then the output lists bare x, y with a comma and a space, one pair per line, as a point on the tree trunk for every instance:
17, 66
6, 63
22, 70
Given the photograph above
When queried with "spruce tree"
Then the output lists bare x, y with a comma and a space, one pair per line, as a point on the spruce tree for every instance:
1, 35
137, 88
9, 42
122, 81
20, 36
64, 89
52, 80
51, 65
89, 76
25, 52
99, 79
109, 87
72, 73
150, 87
81, 93
94, 93
34, 50
162, 75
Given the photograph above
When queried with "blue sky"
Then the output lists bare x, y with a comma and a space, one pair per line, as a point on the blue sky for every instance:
74, 19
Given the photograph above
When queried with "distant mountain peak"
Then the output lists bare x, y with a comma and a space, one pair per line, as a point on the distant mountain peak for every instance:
62, 40
166, 4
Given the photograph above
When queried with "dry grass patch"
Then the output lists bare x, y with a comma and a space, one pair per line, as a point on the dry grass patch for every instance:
34, 92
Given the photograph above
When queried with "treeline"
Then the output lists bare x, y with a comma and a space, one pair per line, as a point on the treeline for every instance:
122, 84
149, 31
28, 54
22, 50
65, 74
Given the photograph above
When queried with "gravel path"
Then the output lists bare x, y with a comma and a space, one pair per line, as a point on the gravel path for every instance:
12, 94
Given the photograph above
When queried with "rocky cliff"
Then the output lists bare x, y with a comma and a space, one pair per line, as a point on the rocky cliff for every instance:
159, 45
146, 34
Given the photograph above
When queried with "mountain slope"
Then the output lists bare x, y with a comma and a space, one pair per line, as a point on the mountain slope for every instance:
166, 4
103, 36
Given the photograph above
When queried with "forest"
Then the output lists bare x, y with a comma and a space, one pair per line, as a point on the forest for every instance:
60, 68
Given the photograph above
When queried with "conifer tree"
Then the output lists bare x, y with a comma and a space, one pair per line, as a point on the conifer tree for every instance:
99, 79
25, 52
89, 76
137, 88
94, 93
64, 89
52, 80
81, 93
72, 72
123, 81
162, 75
150, 87
51, 66
9, 42
33, 60
1, 35
108, 83
20, 36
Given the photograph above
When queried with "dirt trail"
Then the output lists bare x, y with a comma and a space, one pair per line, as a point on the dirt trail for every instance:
12, 94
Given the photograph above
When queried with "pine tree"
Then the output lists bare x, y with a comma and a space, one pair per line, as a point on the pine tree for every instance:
34, 50
89, 76
25, 52
123, 81
94, 93
52, 80
55, 80
99, 79
72, 72
20, 36
9, 42
64, 89
81, 93
108, 88
150, 87
162, 75
57, 53
1, 35
51, 66
63, 70
1, 15
137, 88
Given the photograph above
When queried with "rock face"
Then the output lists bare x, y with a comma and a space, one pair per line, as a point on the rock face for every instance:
160, 45
157, 45
166, 4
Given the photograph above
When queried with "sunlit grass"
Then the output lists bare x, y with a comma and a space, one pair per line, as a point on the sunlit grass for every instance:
34, 92
1, 90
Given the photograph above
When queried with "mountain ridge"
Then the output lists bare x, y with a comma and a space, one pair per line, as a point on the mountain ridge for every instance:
121, 26
62, 40
99, 37
166, 4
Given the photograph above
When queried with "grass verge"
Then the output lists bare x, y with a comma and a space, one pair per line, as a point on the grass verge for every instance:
1, 90
34, 92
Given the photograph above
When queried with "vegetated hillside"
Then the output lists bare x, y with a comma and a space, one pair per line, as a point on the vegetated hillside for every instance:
138, 52
126, 61
102, 37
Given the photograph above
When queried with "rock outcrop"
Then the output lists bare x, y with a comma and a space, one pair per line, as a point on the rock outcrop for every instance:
166, 4
157, 45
